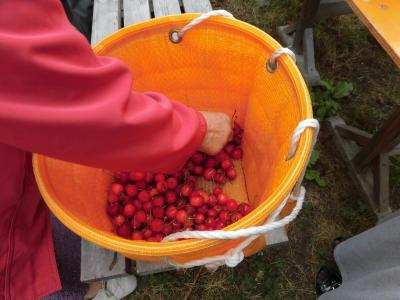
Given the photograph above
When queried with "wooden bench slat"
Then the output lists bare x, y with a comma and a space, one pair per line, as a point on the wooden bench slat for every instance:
136, 11
106, 19
166, 7
197, 6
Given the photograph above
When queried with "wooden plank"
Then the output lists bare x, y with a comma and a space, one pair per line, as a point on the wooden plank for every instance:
380, 171
136, 11
197, 6
166, 7
147, 268
106, 19
382, 19
100, 264
382, 142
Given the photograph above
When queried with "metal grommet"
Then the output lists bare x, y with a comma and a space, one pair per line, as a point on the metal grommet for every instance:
174, 36
272, 66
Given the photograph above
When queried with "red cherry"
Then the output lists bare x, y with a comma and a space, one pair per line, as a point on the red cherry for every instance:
136, 176
140, 217
180, 203
181, 216
138, 204
203, 209
158, 201
112, 198
147, 233
210, 163
124, 230
221, 156
171, 212
189, 209
122, 177
244, 208
224, 216
229, 148
153, 192
188, 223
172, 183
119, 220
137, 235
152, 239
237, 153
159, 177
196, 201
231, 173
217, 190
143, 196
212, 213
162, 186
131, 190
236, 216
141, 185
210, 222
222, 199
113, 209
129, 210
147, 206
219, 225
156, 225
226, 164
212, 201
231, 205
158, 237
220, 179
198, 170
149, 177
209, 174
201, 227
158, 212
117, 188
186, 190
167, 229
218, 208
170, 197
199, 218
197, 158
190, 167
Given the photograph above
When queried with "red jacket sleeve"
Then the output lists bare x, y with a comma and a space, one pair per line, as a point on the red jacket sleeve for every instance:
59, 99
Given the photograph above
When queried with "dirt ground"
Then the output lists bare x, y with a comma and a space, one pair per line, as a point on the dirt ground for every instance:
345, 51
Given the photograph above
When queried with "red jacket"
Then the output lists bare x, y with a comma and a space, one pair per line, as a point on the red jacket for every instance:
57, 98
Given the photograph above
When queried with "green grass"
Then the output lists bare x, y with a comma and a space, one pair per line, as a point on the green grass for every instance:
345, 52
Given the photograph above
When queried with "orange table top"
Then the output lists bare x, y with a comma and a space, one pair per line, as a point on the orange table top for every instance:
382, 17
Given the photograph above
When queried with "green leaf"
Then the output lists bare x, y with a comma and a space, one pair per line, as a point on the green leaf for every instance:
327, 84
314, 157
320, 181
321, 113
311, 174
342, 89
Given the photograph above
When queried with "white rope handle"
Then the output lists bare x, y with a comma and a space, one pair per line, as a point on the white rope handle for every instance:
203, 17
235, 255
272, 64
177, 35
303, 125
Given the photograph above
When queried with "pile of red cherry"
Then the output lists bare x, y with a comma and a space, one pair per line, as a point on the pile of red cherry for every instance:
148, 206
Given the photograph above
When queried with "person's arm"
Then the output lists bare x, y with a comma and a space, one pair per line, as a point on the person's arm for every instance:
57, 98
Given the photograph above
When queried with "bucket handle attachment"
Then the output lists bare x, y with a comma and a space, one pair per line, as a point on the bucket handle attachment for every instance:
235, 255
272, 63
176, 35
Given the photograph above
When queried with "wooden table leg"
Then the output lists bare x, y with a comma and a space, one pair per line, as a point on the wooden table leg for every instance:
307, 19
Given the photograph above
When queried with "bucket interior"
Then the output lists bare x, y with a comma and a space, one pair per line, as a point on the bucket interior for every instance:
216, 67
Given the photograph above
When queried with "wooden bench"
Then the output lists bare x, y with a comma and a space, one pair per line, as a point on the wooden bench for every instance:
366, 155
109, 16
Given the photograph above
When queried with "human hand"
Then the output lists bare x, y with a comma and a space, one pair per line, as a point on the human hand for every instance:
219, 131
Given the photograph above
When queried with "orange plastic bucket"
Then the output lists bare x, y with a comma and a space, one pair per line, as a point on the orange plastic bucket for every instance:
220, 65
